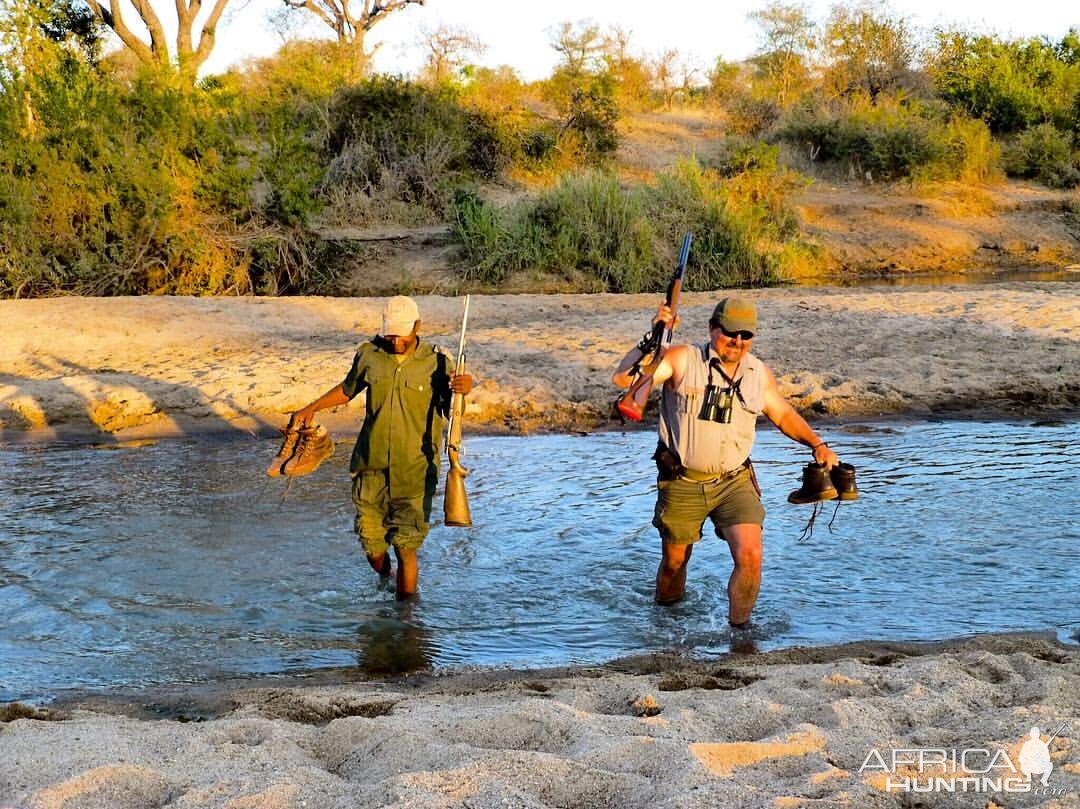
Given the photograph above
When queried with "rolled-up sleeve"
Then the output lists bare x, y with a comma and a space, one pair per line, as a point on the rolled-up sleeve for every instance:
355, 379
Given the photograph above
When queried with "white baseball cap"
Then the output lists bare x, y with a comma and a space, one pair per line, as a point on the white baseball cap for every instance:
399, 316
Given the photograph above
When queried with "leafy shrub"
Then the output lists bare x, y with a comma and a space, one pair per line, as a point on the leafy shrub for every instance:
592, 114
971, 153
142, 188
750, 116
737, 155
1044, 153
894, 140
624, 239
1010, 84
388, 127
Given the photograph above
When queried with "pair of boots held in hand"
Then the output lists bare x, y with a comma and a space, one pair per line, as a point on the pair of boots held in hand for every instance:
820, 484
303, 449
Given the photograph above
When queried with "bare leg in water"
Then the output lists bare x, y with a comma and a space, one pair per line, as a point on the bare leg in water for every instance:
406, 572
380, 564
744, 542
671, 575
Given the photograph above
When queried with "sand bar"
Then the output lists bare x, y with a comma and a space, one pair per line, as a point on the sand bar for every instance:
164, 366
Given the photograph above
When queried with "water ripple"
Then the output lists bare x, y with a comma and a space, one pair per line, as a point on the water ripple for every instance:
177, 563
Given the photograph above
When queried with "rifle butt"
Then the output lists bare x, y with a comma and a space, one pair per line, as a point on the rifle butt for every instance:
456, 500
631, 405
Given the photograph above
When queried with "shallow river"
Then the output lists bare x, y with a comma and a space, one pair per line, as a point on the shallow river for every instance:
180, 562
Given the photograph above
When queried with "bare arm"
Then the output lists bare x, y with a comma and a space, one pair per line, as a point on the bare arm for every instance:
335, 397
622, 376
780, 412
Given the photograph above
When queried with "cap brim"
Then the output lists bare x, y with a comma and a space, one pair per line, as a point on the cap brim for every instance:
398, 328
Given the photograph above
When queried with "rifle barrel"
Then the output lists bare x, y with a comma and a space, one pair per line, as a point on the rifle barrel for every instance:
464, 321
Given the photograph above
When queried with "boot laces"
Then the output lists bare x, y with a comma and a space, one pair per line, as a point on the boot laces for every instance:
808, 530
819, 508
304, 439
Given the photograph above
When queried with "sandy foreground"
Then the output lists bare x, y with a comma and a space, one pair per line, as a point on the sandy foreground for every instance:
781, 729
828, 727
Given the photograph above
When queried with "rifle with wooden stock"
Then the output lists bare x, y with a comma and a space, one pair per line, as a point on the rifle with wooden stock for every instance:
631, 405
456, 501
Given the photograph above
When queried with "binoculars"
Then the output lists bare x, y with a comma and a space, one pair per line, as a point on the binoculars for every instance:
716, 405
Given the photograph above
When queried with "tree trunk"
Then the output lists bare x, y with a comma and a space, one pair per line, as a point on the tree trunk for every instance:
189, 56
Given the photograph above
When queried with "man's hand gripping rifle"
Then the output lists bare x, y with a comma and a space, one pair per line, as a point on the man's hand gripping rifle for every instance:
631, 405
456, 500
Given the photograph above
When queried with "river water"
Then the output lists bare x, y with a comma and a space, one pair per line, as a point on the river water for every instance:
123, 566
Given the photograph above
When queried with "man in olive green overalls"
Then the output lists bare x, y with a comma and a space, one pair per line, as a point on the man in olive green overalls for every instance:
395, 465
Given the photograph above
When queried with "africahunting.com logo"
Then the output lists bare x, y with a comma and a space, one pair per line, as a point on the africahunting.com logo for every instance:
969, 769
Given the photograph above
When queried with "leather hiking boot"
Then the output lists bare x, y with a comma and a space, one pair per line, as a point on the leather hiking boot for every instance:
288, 447
313, 447
843, 478
816, 486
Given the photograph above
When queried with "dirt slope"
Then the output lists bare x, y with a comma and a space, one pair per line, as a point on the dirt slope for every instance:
864, 229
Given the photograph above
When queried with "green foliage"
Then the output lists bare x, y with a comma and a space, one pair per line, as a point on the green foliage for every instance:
737, 155
1011, 85
1046, 154
970, 152
893, 139
868, 51
400, 118
583, 88
408, 142
750, 116
138, 188
623, 239
592, 114
789, 37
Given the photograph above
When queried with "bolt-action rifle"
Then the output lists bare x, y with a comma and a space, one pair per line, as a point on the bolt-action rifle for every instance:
631, 405
456, 501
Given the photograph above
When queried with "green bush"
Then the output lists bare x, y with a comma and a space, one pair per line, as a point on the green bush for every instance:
894, 140
416, 139
971, 153
592, 114
884, 144
1044, 153
750, 116
1010, 84
143, 187
624, 239
585, 224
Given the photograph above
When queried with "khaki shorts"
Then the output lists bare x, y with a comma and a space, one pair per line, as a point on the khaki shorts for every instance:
682, 506
382, 521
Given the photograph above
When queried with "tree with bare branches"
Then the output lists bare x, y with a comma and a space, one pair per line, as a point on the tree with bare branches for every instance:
580, 47
869, 50
191, 51
664, 69
789, 36
448, 51
350, 21
630, 72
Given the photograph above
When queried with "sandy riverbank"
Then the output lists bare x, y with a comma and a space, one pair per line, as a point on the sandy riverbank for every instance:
780, 730
161, 366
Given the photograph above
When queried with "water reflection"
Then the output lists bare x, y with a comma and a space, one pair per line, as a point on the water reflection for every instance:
394, 645
933, 279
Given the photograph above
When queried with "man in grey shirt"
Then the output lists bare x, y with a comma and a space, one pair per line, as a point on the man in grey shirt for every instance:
711, 397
